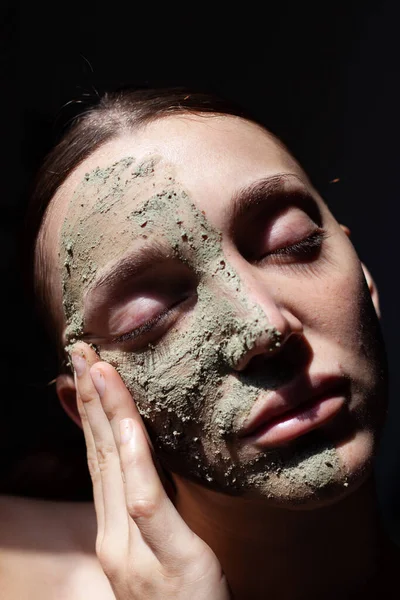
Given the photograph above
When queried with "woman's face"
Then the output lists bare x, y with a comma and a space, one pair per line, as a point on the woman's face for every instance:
197, 257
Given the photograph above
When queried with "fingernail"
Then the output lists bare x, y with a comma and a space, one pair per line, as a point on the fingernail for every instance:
98, 381
126, 430
79, 362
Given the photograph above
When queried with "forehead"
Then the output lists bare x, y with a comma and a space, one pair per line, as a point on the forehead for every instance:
212, 157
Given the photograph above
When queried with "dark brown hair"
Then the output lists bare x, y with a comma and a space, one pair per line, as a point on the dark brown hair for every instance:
113, 114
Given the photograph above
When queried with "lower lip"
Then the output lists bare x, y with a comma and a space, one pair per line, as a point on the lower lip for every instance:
295, 423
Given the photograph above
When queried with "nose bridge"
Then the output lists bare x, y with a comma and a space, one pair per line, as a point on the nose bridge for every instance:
256, 293
259, 293
263, 324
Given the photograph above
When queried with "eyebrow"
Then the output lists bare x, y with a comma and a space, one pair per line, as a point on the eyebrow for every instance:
257, 192
133, 264
137, 262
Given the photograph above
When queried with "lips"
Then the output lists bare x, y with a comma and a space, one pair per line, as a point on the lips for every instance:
294, 409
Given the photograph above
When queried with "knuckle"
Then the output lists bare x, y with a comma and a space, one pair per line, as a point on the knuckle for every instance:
111, 409
87, 393
105, 454
141, 508
121, 569
110, 556
93, 467
109, 563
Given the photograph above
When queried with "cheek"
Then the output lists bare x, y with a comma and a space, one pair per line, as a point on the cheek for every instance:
333, 304
350, 307
175, 387
357, 453
182, 379
159, 381
174, 380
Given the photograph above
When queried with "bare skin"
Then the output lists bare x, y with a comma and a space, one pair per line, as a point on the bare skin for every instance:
47, 551
267, 544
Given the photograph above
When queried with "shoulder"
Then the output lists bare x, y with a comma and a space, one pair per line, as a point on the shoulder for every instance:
47, 551
45, 525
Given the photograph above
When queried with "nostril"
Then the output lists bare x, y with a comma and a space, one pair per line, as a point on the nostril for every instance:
292, 357
275, 340
244, 345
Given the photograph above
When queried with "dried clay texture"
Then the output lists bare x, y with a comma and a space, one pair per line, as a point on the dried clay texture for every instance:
186, 387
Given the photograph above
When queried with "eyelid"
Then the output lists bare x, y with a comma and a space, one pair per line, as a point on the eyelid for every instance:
138, 311
302, 249
151, 324
266, 197
318, 234
296, 218
291, 222
144, 328
164, 278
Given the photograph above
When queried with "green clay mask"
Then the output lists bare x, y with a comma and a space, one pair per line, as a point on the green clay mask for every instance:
185, 385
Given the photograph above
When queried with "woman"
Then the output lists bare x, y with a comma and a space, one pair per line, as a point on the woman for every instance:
183, 259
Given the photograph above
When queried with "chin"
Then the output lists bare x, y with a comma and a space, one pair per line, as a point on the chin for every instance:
313, 472
304, 497
322, 473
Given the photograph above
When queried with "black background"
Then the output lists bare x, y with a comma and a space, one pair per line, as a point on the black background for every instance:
325, 80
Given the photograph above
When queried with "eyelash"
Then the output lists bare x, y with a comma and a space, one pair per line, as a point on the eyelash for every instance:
304, 248
148, 325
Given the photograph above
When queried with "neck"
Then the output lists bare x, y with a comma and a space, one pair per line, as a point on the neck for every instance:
282, 553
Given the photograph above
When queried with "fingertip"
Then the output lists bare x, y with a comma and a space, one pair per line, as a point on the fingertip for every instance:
79, 363
112, 376
84, 350
106, 368
104, 373
78, 347
98, 380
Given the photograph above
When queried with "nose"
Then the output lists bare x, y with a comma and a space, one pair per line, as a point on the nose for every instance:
278, 325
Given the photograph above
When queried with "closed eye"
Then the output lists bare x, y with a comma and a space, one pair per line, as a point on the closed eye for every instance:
153, 329
141, 310
306, 249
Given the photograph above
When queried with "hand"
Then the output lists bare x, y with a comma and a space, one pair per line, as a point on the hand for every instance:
144, 546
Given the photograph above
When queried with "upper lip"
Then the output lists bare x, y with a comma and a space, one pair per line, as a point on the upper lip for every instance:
300, 391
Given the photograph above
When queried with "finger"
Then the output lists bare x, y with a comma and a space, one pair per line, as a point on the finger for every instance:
161, 526
115, 397
118, 404
91, 456
93, 469
116, 524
